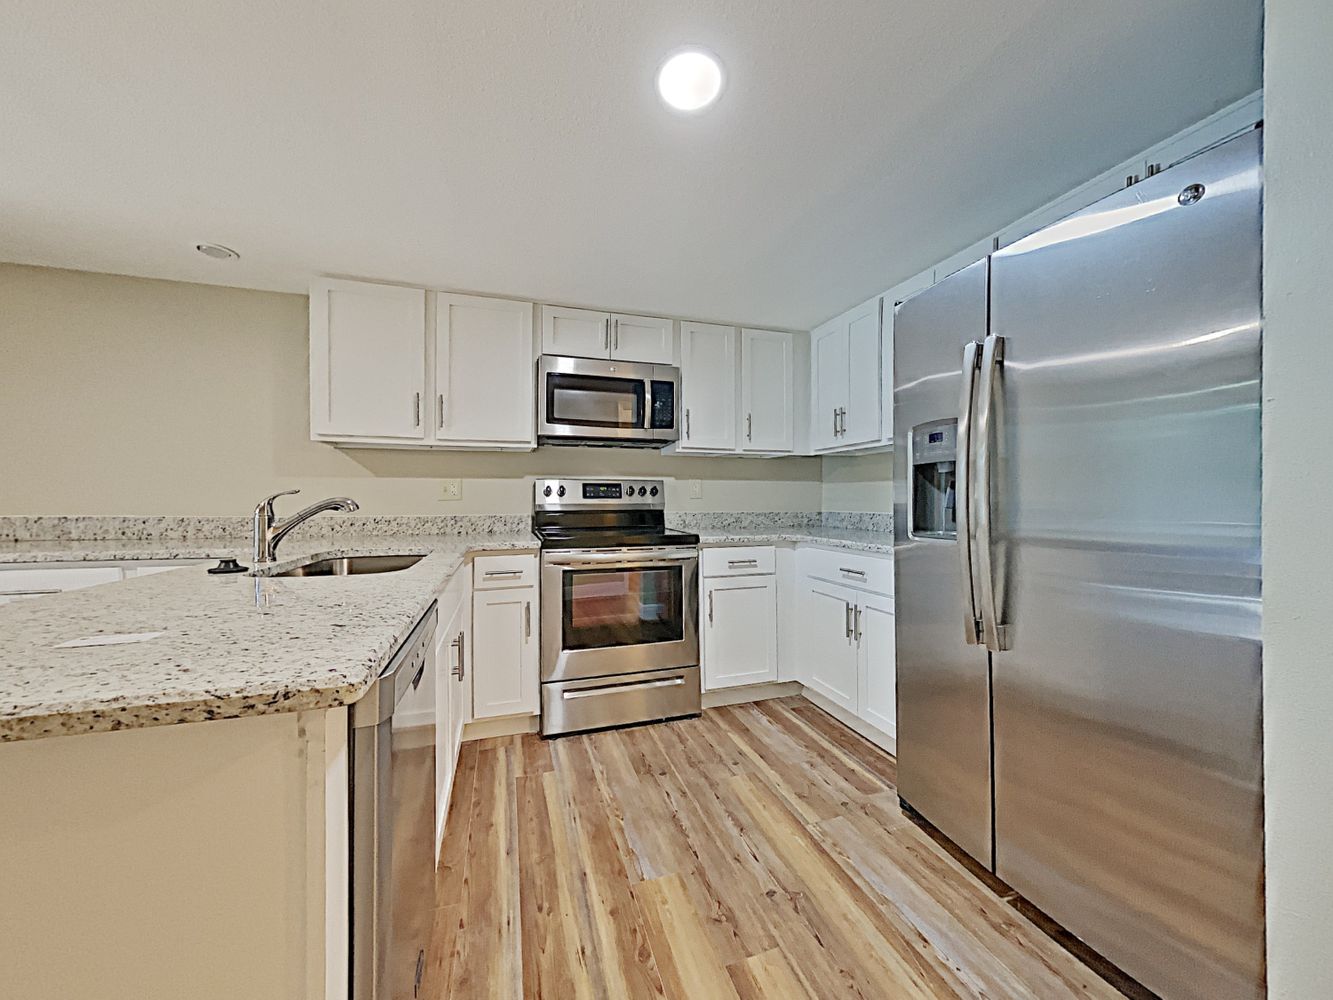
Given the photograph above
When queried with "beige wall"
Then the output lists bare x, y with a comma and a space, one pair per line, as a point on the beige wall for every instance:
858, 483
1298, 482
131, 396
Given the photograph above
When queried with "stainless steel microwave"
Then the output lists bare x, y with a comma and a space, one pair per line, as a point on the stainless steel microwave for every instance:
590, 401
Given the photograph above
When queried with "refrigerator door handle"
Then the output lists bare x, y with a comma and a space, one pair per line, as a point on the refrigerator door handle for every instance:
962, 492
995, 634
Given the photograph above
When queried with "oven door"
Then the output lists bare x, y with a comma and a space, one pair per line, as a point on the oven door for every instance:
584, 399
607, 612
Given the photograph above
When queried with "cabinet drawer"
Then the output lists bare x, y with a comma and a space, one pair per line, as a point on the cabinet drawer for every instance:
495, 572
741, 561
16, 582
850, 569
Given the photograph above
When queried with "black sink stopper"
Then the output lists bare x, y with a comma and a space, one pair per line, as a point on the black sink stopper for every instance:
227, 566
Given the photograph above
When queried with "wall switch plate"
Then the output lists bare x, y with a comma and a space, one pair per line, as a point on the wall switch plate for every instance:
696, 489
452, 489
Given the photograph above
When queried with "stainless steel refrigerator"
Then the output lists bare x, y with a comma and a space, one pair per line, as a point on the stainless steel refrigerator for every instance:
1076, 505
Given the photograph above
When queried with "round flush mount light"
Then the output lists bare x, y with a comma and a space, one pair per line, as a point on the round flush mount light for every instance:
690, 79
217, 251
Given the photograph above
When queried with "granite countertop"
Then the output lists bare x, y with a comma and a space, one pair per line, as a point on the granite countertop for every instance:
229, 645
856, 539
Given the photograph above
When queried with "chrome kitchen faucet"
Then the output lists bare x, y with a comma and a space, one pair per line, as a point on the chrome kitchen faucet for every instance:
269, 531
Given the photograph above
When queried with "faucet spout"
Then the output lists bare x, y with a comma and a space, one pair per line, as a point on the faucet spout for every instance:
269, 531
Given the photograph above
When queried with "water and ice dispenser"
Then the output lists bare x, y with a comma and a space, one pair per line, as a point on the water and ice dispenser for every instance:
934, 457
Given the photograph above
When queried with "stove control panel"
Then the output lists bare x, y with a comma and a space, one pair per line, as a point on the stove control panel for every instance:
565, 494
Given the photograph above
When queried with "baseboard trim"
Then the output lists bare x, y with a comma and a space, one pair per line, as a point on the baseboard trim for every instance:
750, 692
877, 736
509, 725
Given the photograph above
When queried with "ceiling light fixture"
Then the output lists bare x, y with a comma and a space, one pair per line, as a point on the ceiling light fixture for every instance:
690, 79
217, 251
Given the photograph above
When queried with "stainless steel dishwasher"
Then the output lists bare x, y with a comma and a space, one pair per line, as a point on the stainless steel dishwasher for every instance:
391, 801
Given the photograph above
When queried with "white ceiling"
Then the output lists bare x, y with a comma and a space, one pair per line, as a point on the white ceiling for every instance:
518, 147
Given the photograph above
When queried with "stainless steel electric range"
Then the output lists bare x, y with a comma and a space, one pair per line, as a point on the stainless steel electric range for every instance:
619, 605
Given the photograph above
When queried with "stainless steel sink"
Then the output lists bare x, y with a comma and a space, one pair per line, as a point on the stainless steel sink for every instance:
352, 566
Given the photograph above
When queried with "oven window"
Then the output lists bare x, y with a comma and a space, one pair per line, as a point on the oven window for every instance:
594, 400
626, 607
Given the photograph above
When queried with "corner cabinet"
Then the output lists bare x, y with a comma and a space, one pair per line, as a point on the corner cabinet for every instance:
846, 370
380, 378
767, 411
708, 356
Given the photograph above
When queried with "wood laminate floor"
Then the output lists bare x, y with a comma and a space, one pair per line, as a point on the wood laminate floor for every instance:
758, 851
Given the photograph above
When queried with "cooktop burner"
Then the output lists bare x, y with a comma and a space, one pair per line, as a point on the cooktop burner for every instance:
603, 514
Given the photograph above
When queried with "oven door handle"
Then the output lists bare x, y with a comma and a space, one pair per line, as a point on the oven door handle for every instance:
644, 560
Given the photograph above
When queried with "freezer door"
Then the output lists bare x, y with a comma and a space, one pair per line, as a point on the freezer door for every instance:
943, 682
1125, 525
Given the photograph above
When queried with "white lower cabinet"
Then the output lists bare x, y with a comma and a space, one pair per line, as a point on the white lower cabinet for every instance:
846, 644
829, 649
505, 649
740, 631
877, 662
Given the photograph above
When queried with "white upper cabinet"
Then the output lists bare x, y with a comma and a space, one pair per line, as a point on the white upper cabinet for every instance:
767, 392
708, 357
860, 419
828, 383
485, 372
845, 374
576, 333
646, 339
588, 333
367, 360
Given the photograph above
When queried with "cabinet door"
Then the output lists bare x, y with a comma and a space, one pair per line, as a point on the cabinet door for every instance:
367, 360
828, 383
647, 339
860, 425
767, 391
829, 648
485, 374
504, 660
708, 387
576, 333
877, 667
446, 683
740, 631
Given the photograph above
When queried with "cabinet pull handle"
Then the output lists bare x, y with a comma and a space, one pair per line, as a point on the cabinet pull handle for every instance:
503, 572
710, 607
606, 334
527, 619
847, 620
615, 343
742, 562
852, 572
687, 423
441, 411
835, 421
749, 427
416, 409
458, 669
857, 626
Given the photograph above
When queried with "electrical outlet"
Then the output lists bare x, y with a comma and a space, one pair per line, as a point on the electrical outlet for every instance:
696, 489
452, 489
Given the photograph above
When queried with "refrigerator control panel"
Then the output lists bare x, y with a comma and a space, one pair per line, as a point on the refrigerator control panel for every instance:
935, 442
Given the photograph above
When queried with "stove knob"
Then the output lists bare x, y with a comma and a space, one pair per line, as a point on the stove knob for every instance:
629, 490
643, 491
653, 491
546, 492
560, 492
